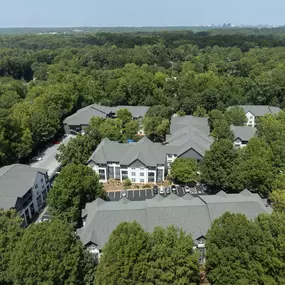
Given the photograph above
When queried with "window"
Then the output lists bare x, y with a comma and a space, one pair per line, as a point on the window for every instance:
170, 155
133, 174
141, 174
133, 179
42, 180
102, 174
142, 168
36, 186
142, 180
133, 168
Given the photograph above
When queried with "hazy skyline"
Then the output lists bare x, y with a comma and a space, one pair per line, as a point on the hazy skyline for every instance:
112, 13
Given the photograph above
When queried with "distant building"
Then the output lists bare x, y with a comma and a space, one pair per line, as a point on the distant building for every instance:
193, 215
80, 120
24, 189
242, 135
253, 112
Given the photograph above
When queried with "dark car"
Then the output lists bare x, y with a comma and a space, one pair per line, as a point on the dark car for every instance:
167, 189
174, 189
155, 189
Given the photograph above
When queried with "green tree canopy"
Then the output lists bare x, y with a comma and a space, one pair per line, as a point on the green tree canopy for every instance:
184, 170
124, 260
125, 116
156, 128
50, 253
75, 186
172, 259
274, 224
235, 116
254, 167
132, 256
78, 150
10, 232
222, 130
238, 252
218, 164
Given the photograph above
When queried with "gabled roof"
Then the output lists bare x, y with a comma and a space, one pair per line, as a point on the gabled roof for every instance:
244, 133
193, 215
84, 115
145, 151
15, 181
260, 110
177, 123
187, 133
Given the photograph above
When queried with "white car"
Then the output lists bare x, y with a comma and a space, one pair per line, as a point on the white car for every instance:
124, 193
161, 190
187, 189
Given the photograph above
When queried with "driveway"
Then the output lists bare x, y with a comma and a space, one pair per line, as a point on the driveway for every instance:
48, 157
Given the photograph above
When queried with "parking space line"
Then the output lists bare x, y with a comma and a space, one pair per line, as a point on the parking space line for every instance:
139, 193
183, 189
145, 193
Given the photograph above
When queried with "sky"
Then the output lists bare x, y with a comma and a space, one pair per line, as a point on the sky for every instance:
137, 13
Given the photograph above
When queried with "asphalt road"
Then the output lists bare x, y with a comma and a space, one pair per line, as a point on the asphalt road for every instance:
143, 194
48, 157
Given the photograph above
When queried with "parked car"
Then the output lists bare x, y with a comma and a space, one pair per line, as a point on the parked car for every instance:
187, 189
38, 158
161, 190
55, 142
167, 190
155, 189
173, 189
124, 193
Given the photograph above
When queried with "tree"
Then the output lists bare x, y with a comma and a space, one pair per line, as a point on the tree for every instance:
131, 129
254, 167
75, 186
215, 115
184, 170
200, 112
111, 129
222, 130
274, 224
125, 116
172, 259
277, 198
156, 128
132, 256
77, 151
50, 253
235, 116
218, 163
124, 258
238, 252
10, 232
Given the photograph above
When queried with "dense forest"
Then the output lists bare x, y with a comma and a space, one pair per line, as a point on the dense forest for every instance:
44, 78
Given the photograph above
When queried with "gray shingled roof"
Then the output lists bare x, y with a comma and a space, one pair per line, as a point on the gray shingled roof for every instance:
177, 123
244, 133
189, 132
194, 215
260, 110
15, 181
84, 115
145, 151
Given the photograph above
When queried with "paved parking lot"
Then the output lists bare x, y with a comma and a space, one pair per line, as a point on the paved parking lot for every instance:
143, 194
